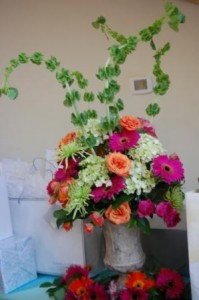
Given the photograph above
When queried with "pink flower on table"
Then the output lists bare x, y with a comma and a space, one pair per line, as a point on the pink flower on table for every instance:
169, 214
170, 282
73, 271
96, 291
134, 293
146, 208
123, 141
169, 169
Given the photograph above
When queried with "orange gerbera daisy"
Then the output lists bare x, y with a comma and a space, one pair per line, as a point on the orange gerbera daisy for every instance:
138, 280
79, 287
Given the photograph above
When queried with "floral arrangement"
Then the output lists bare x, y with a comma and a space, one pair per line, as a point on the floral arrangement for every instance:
113, 167
77, 284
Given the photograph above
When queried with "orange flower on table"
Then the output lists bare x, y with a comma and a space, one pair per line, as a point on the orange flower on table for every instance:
121, 215
63, 195
79, 287
138, 280
130, 123
67, 139
118, 163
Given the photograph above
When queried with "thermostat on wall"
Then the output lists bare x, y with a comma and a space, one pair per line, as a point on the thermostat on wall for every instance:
142, 85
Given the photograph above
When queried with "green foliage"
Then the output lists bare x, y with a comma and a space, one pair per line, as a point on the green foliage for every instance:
174, 15
153, 109
12, 93
71, 97
64, 77
23, 58
52, 63
37, 58
119, 51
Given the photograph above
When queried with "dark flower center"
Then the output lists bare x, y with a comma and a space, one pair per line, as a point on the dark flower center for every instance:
123, 140
134, 296
170, 284
167, 168
93, 296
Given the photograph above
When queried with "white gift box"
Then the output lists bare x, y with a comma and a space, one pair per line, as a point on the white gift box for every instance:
5, 218
17, 262
192, 210
55, 248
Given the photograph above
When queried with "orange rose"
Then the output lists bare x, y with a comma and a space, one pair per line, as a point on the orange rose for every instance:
67, 139
130, 123
121, 215
118, 163
63, 196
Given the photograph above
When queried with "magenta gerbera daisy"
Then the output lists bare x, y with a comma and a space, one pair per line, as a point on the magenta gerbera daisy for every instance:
123, 141
134, 293
75, 271
169, 169
96, 291
102, 192
171, 283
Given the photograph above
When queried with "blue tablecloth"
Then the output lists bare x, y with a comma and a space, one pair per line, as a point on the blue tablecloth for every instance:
30, 291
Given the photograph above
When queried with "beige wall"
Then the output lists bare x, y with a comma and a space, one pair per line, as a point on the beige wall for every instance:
37, 119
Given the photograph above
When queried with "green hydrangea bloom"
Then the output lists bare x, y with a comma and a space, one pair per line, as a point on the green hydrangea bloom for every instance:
140, 180
148, 147
93, 128
94, 171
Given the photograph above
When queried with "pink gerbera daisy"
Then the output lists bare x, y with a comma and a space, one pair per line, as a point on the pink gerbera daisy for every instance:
123, 141
102, 192
75, 271
134, 293
170, 282
169, 169
96, 291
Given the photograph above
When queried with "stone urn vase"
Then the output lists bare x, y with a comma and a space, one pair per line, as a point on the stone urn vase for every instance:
123, 250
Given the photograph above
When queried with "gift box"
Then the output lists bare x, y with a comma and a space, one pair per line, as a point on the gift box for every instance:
55, 248
192, 210
5, 217
17, 262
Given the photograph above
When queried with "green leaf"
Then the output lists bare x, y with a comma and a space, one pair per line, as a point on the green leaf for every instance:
14, 63
37, 58
46, 284
12, 93
121, 199
153, 109
144, 225
52, 63
23, 58
152, 44
120, 104
81, 81
89, 97
100, 21
59, 214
